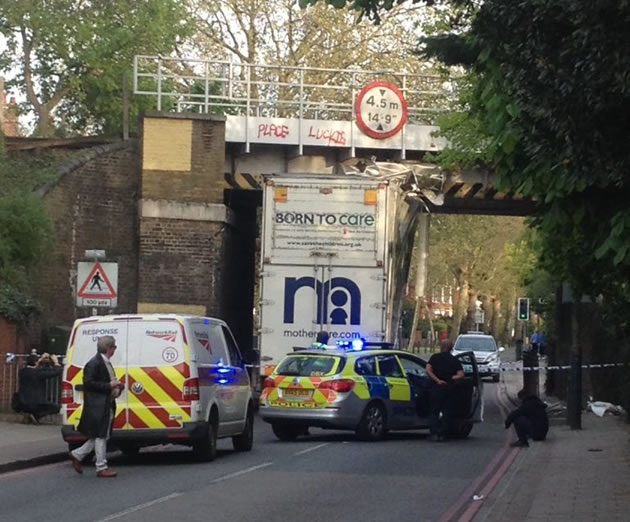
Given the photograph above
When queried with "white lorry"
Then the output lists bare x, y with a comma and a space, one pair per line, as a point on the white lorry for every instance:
335, 257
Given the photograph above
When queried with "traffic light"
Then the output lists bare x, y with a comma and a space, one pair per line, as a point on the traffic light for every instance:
523, 308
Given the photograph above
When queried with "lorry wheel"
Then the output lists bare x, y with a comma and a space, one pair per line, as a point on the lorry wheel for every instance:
373, 424
206, 449
286, 432
245, 440
460, 430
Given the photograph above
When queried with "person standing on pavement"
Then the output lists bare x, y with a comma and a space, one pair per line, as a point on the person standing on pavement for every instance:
443, 369
529, 419
31, 395
100, 389
535, 341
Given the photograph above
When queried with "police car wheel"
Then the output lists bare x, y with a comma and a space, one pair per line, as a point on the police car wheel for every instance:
206, 449
286, 432
245, 440
373, 424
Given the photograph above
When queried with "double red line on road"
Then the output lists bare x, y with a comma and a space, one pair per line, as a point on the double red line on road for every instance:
489, 478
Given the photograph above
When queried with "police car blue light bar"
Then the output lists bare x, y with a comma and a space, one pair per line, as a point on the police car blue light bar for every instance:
355, 345
358, 344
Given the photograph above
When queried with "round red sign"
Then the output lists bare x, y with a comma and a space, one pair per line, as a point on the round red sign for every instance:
380, 110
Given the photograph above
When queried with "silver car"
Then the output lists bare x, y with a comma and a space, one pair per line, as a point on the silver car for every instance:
487, 354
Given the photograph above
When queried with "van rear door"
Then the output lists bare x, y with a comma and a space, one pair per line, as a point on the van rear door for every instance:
81, 349
158, 374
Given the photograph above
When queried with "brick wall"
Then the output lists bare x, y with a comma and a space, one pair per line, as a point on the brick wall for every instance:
183, 157
181, 262
92, 205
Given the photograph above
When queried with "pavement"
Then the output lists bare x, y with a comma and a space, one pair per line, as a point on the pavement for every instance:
573, 475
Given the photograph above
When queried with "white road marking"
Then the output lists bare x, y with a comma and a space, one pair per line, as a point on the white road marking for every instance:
139, 507
308, 450
242, 472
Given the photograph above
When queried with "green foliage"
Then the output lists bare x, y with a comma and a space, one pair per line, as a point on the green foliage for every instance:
554, 94
71, 55
371, 8
26, 172
25, 235
16, 306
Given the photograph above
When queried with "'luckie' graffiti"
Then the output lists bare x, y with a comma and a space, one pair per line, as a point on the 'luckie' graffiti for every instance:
332, 137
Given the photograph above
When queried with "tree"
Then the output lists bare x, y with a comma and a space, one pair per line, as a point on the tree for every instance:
469, 254
71, 55
551, 104
278, 32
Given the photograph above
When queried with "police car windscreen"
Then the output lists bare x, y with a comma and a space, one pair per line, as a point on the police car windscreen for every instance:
307, 366
471, 344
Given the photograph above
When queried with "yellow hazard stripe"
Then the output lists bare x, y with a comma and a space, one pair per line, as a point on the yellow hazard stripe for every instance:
143, 412
163, 399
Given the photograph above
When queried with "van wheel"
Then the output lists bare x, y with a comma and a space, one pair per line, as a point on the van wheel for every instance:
245, 440
206, 449
286, 432
459, 430
373, 424
496, 378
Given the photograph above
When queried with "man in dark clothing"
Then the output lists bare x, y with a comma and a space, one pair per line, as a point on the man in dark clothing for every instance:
443, 369
529, 419
33, 378
100, 389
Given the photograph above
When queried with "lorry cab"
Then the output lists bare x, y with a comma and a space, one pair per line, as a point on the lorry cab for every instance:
184, 380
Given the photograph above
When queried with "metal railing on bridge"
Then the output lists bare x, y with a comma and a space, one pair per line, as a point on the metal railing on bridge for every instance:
224, 87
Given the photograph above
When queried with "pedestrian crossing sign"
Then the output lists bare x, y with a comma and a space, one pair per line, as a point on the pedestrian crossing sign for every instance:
97, 284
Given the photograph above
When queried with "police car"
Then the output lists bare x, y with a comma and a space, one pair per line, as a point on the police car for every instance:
364, 388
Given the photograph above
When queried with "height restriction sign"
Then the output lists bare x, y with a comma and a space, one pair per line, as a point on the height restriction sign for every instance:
380, 110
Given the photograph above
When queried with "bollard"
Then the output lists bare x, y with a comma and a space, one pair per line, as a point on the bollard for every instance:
530, 378
574, 399
519, 349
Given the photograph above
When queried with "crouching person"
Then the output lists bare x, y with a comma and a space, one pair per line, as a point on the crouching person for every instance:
529, 419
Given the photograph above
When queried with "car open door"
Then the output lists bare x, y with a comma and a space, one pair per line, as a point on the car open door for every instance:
469, 402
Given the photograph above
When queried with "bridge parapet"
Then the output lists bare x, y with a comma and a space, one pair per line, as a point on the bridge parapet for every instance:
300, 106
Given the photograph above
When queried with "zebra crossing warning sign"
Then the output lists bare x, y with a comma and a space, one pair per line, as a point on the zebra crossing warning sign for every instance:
98, 284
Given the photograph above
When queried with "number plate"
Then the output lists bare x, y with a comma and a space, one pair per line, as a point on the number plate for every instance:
293, 404
296, 393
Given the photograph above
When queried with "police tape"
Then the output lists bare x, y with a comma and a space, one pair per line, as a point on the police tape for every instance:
565, 367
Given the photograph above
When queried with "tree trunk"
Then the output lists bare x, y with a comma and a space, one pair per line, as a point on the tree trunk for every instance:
414, 324
44, 127
460, 308
471, 307
430, 318
495, 325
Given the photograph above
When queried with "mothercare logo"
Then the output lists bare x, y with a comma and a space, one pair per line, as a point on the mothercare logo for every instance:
331, 219
338, 300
